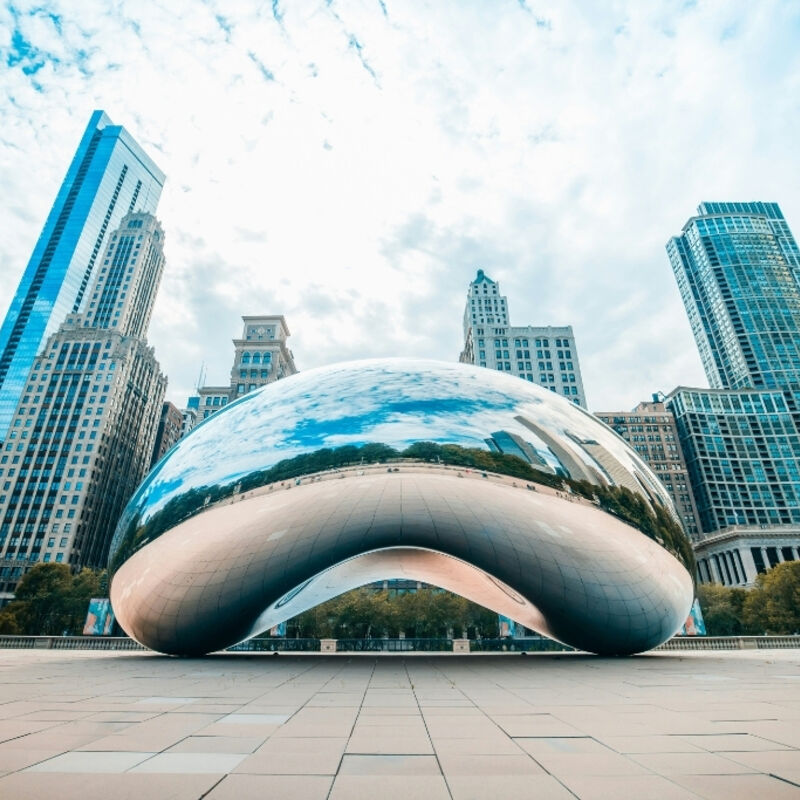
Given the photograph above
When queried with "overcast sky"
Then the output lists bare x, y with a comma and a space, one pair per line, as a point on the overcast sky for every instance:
352, 164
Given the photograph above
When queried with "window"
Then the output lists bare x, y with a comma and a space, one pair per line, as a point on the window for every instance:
59, 557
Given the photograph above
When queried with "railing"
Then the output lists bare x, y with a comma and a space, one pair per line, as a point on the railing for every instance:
70, 642
276, 646
730, 643
530, 645
394, 645
408, 645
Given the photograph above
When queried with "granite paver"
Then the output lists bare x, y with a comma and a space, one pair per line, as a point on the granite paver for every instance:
478, 727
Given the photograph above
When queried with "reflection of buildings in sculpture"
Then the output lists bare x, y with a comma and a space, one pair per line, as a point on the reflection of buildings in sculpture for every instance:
110, 176
616, 473
81, 438
512, 444
571, 466
261, 356
651, 431
541, 354
738, 270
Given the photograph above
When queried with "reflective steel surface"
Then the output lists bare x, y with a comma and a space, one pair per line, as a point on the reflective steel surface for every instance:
485, 485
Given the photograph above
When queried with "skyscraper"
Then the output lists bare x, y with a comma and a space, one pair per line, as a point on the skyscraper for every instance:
81, 437
545, 354
738, 270
110, 176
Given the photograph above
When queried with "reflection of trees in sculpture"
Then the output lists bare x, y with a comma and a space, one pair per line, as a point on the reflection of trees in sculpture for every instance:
655, 522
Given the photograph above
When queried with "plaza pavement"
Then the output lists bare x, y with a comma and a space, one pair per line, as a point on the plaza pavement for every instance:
234, 726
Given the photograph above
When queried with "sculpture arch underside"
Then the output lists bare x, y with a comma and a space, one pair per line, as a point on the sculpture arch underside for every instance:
554, 562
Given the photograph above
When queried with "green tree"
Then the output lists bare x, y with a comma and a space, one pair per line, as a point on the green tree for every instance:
50, 600
773, 605
723, 609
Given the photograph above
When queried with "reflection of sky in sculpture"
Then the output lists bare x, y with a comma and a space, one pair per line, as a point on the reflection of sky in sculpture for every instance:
393, 401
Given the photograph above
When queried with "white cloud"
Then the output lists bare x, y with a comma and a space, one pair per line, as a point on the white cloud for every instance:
351, 169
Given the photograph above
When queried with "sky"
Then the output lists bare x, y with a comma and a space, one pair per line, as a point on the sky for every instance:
351, 164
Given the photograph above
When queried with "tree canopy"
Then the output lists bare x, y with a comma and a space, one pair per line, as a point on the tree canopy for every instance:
51, 600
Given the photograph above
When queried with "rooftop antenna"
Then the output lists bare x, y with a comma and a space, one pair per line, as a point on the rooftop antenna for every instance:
201, 378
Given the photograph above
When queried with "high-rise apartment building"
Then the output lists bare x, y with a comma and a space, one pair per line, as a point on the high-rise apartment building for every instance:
738, 271
546, 355
109, 177
81, 437
261, 356
651, 430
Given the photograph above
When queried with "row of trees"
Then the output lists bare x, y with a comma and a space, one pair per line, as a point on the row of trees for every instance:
772, 606
50, 600
424, 613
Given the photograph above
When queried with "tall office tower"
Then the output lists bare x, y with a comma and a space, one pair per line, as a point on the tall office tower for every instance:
261, 356
110, 176
651, 430
81, 437
737, 267
738, 271
545, 354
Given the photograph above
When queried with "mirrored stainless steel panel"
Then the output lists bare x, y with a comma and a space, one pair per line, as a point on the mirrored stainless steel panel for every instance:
459, 476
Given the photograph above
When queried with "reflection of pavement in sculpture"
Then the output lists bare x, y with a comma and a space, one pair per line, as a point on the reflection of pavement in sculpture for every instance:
204, 566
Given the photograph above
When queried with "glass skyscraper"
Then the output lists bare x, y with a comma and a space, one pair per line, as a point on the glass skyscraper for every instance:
109, 177
738, 271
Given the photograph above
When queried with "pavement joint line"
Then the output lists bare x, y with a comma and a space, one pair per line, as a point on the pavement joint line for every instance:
427, 730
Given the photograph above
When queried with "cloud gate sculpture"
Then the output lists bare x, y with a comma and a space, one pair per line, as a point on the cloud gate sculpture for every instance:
462, 477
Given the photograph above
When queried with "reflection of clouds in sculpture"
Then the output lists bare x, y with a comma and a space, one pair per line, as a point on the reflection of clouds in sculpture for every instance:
197, 568
394, 401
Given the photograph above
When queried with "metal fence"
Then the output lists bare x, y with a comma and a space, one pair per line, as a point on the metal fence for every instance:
730, 643
394, 645
509, 645
276, 645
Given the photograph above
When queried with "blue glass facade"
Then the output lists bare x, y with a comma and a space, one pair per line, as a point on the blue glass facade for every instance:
738, 271
109, 177
742, 451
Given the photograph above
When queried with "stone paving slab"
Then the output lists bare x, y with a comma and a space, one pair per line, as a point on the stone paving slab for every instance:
236, 726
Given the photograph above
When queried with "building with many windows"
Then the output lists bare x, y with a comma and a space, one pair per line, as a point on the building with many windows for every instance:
81, 437
651, 431
546, 355
109, 177
738, 271
261, 356
170, 429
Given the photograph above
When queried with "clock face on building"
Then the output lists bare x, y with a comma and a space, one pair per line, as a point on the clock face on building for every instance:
260, 332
